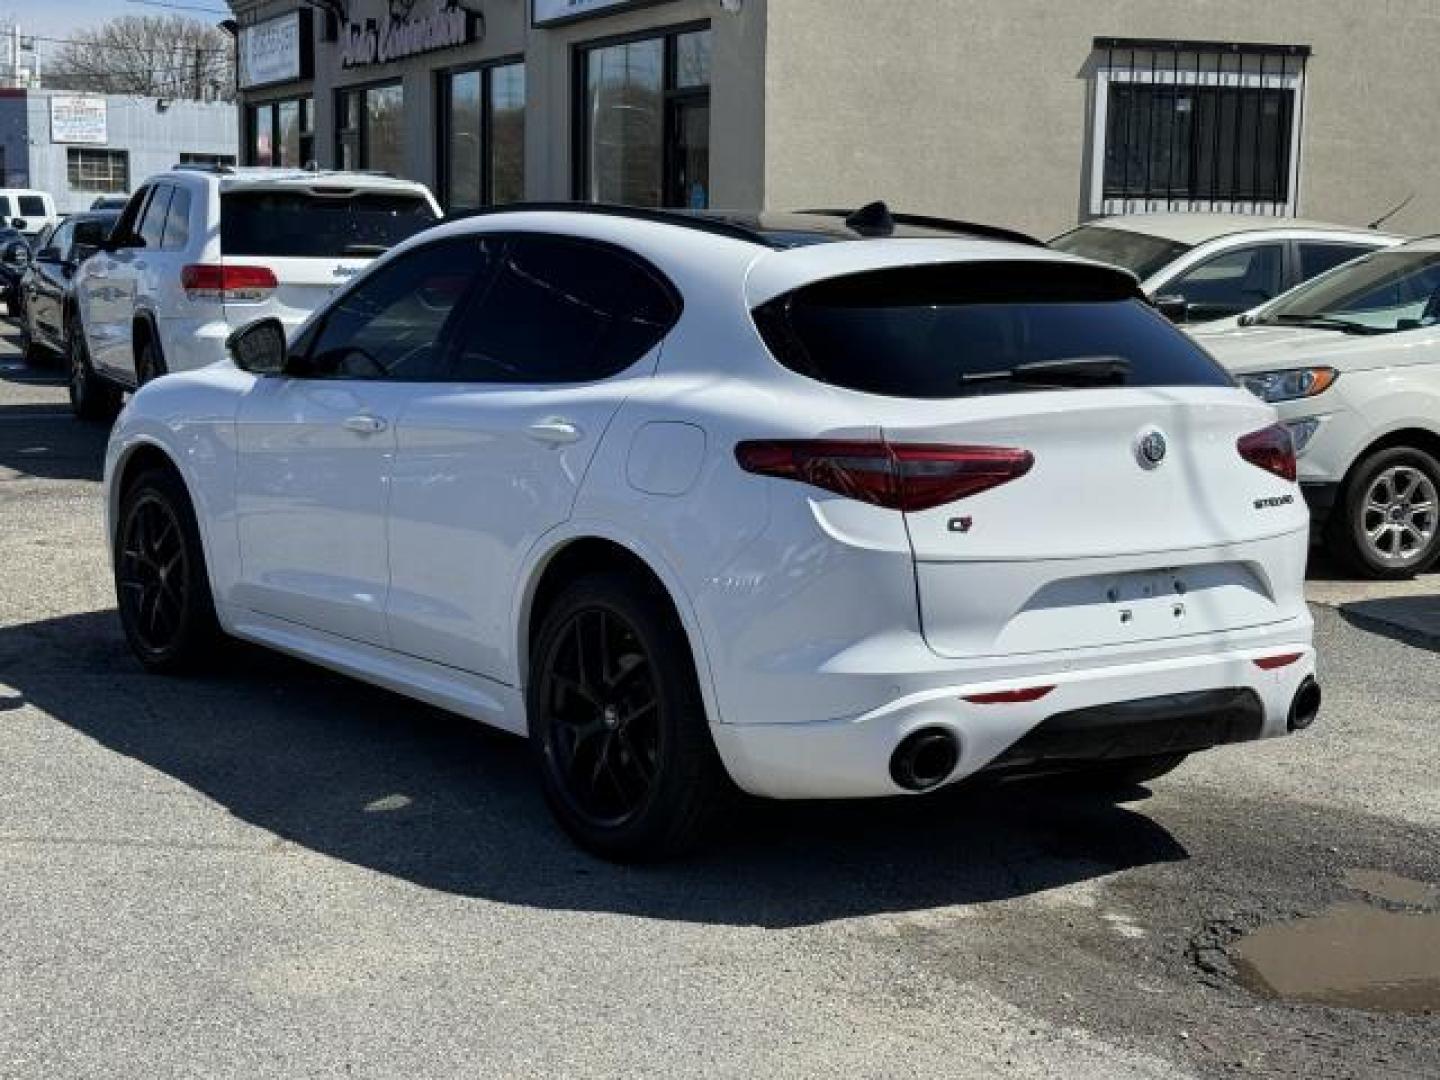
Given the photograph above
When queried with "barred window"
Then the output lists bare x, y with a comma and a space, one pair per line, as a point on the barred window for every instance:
1197, 126
98, 170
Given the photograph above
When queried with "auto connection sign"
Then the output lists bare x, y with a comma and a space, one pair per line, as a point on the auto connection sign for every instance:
79, 118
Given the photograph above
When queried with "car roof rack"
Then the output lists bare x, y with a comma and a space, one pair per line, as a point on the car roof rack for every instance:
877, 220
699, 222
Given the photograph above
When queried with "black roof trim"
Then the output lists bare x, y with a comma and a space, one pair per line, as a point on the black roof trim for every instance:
1245, 48
698, 222
950, 225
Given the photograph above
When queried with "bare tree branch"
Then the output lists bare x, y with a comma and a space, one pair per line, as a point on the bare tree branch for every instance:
156, 55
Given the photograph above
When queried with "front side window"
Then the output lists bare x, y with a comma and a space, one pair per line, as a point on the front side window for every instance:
483, 136
1382, 293
1230, 283
59, 242
971, 329
177, 221
1317, 258
1196, 126
645, 127
393, 324
152, 225
563, 311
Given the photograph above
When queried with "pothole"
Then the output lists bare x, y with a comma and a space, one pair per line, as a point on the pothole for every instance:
1354, 954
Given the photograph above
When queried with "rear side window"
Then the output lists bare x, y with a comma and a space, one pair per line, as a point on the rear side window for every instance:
32, 206
177, 221
966, 329
298, 224
1316, 259
152, 225
563, 311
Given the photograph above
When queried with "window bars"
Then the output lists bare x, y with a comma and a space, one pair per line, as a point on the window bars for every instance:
1197, 125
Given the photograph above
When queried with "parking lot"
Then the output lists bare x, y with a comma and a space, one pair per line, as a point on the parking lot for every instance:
274, 870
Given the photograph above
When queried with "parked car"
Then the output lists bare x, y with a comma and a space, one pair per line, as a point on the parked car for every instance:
27, 210
198, 252
46, 289
14, 258
1352, 361
1201, 267
829, 507
109, 202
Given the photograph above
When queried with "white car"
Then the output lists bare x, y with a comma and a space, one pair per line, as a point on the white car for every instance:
824, 507
1201, 267
200, 251
1352, 361
27, 210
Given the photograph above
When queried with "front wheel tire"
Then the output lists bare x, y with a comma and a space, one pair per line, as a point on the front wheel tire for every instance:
617, 726
162, 587
1388, 520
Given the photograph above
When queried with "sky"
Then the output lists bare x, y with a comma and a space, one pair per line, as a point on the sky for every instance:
60, 18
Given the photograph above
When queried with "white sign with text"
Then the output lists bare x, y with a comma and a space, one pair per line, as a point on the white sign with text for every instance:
270, 51
79, 118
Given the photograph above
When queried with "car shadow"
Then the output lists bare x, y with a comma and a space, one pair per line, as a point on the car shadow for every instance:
1411, 620
376, 780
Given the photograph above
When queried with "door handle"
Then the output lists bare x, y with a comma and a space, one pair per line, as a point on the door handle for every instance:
365, 424
554, 430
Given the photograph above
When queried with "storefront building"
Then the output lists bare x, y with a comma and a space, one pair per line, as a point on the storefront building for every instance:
1021, 112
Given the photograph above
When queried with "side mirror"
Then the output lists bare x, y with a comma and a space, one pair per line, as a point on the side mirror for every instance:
1174, 308
259, 347
16, 254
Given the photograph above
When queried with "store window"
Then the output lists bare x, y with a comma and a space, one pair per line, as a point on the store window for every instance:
1197, 126
280, 133
98, 170
482, 136
644, 123
370, 128
216, 160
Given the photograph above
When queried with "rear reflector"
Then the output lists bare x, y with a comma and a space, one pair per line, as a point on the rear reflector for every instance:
1010, 697
896, 476
1271, 663
212, 282
1270, 449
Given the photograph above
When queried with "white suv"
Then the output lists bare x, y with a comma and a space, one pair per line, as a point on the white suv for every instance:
1352, 361
200, 251
827, 507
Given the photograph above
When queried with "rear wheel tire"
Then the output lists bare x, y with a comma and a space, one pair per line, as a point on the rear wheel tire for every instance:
617, 726
161, 584
1387, 523
148, 363
91, 397
1126, 772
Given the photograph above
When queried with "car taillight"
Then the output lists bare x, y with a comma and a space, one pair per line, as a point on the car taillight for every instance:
1270, 449
211, 282
896, 476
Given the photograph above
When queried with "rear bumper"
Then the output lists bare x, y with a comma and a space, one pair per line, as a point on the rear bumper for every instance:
851, 758
188, 344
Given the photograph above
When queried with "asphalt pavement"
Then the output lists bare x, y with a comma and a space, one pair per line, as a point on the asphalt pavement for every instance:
275, 871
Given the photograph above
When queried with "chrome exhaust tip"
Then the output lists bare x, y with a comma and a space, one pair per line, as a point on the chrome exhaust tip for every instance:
925, 759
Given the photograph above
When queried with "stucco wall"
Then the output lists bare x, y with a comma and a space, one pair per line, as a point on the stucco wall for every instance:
981, 108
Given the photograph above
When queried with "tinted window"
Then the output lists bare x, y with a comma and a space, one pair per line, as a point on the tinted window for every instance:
1230, 283
963, 330
563, 311
295, 223
59, 240
1316, 259
32, 206
391, 325
152, 225
1141, 254
177, 221
93, 231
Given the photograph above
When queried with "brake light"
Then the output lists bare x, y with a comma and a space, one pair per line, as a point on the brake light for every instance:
1270, 449
1010, 697
896, 476
203, 281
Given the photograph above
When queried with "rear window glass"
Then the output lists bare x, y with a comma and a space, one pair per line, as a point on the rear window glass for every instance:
32, 206
298, 224
967, 329
1141, 254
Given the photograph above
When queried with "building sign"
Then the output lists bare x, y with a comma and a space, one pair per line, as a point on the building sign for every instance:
411, 28
276, 50
549, 12
79, 118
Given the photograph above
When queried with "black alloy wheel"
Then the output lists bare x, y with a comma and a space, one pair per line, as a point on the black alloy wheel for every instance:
617, 724
91, 397
161, 584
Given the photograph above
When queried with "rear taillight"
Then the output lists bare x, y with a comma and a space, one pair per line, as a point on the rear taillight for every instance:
1270, 449
895, 476
213, 282
1010, 697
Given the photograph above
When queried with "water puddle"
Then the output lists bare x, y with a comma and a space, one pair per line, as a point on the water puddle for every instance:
1354, 954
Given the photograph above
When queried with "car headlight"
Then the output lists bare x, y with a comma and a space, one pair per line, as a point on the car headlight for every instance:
1302, 431
1273, 386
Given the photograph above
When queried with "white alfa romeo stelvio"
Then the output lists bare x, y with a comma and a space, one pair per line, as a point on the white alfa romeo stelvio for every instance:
820, 505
